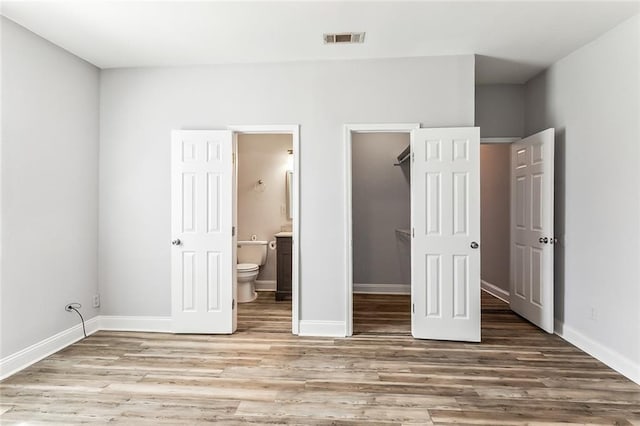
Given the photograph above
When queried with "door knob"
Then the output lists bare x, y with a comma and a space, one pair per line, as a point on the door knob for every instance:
543, 240
474, 245
176, 242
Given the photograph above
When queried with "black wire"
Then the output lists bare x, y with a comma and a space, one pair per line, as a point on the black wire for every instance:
84, 331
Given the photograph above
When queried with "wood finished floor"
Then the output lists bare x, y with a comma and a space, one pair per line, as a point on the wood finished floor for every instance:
264, 375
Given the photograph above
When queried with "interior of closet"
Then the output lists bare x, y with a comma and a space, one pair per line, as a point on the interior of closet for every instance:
381, 216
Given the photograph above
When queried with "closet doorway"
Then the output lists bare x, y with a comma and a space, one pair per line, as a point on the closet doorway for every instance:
378, 236
445, 229
495, 215
518, 224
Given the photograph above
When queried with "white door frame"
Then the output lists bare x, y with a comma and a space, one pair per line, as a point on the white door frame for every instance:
294, 131
348, 244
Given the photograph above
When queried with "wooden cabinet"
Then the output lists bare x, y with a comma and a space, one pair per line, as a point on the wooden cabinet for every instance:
284, 268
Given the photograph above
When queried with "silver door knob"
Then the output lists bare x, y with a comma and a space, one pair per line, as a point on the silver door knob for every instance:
176, 242
474, 245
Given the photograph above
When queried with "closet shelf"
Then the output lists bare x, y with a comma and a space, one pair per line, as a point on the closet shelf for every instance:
404, 156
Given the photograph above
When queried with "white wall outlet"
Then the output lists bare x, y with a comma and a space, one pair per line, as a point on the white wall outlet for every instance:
96, 301
593, 314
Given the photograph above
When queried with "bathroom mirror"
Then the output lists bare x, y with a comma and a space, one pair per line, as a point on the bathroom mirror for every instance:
289, 195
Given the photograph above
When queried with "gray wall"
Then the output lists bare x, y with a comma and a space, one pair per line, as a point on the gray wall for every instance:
495, 213
500, 110
262, 212
139, 107
49, 188
591, 98
381, 203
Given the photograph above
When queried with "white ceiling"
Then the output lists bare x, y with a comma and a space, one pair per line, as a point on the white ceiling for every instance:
515, 40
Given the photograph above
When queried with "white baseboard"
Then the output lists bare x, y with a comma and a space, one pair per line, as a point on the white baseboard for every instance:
494, 290
323, 328
620, 363
34, 353
265, 285
137, 323
382, 288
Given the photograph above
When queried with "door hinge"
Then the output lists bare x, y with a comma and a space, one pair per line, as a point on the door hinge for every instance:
233, 158
413, 308
413, 157
233, 304
233, 231
413, 232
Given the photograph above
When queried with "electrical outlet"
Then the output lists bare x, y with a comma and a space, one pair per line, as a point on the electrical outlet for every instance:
96, 301
593, 314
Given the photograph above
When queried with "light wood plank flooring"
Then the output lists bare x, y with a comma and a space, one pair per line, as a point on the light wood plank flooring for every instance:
264, 375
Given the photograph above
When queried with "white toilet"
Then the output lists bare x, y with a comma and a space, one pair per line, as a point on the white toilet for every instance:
251, 256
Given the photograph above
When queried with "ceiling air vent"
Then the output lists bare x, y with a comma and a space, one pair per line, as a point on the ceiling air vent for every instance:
343, 38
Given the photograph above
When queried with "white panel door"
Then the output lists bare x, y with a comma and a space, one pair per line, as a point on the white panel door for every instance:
445, 216
532, 239
203, 258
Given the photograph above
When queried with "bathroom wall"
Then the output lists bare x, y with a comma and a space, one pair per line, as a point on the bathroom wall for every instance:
495, 213
49, 186
381, 203
262, 208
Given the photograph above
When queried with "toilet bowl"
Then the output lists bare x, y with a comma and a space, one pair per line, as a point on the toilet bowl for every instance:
251, 256
246, 277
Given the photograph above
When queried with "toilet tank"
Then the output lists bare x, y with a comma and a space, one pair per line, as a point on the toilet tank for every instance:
252, 252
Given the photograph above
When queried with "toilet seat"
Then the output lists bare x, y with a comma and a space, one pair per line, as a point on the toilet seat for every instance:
247, 267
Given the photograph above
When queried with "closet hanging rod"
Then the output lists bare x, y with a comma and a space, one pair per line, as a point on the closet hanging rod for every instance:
404, 156
404, 232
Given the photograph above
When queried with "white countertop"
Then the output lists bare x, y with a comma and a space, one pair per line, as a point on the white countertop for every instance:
284, 234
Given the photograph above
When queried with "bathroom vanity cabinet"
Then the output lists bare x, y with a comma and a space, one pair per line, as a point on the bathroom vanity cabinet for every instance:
284, 267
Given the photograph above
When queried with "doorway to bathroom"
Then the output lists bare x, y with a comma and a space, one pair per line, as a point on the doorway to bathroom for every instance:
204, 223
264, 167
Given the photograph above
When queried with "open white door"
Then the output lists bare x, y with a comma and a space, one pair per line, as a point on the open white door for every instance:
532, 239
445, 216
203, 258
